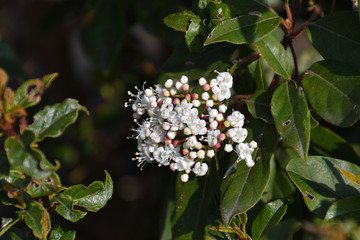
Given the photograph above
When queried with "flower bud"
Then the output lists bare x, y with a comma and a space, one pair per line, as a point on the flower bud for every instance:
172, 166
253, 144
196, 103
220, 117
206, 87
228, 147
213, 124
176, 101
213, 113
171, 135
185, 87
153, 104
184, 79
192, 154
166, 126
209, 103
213, 83
185, 151
187, 97
166, 93
169, 83
210, 153
187, 131
221, 137
227, 124
217, 145
185, 177
202, 81
195, 96
214, 97
222, 108
173, 91
205, 96
200, 154
178, 85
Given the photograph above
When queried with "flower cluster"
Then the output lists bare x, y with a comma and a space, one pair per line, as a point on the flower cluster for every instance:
180, 128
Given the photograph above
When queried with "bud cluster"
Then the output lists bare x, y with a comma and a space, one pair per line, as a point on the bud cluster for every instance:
180, 127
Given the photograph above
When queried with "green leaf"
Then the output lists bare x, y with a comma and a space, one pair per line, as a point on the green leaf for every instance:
24, 157
37, 219
194, 202
292, 117
29, 93
259, 105
219, 11
243, 188
275, 56
63, 206
336, 42
258, 76
58, 234
16, 234
325, 142
44, 187
321, 183
282, 231
6, 224
4, 165
246, 6
169, 211
193, 35
314, 122
179, 21
270, 215
244, 29
92, 198
333, 90
196, 65
344, 209
52, 120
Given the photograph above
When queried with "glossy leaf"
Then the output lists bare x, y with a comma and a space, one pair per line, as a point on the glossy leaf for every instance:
259, 76
193, 35
259, 105
58, 234
196, 65
334, 41
325, 142
29, 93
321, 183
275, 56
6, 224
52, 120
179, 21
194, 202
344, 209
63, 206
24, 157
270, 215
292, 117
219, 11
44, 187
242, 189
282, 231
37, 219
333, 90
244, 29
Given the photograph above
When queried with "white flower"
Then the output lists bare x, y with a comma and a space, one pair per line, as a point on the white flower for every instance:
200, 169
157, 134
224, 79
228, 148
238, 135
198, 127
202, 81
222, 108
253, 144
244, 151
212, 137
184, 79
169, 83
221, 92
205, 96
236, 119
181, 164
189, 117
210, 153
191, 142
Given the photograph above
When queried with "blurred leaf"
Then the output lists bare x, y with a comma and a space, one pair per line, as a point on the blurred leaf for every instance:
269, 216
4, 165
58, 234
196, 65
16, 234
333, 90
24, 157
259, 105
275, 56
44, 187
29, 93
37, 219
105, 30
243, 188
9, 60
52, 120
6, 224
292, 117
321, 183
344, 209
166, 221
335, 42
193, 35
282, 231
325, 142
179, 21
314, 122
244, 29
246, 6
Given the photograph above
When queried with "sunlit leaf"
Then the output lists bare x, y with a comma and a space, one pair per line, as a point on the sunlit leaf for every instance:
179, 21
344, 209
58, 234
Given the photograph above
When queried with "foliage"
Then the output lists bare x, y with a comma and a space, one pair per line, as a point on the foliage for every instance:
29, 182
294, 116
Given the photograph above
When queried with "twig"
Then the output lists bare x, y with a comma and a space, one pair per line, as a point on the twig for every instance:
289, 15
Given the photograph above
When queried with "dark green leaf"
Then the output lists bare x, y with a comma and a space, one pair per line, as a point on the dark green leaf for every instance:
275, 56
37, 219
44, 187
193, 35
325, 142
321, 183
29, 93
246, 6
6, 224
52, 120
243, 188
333, 90
259, 105
244, 29
292, 117
58, 234
344, 209
269, 216
194, 202
336, 42
24, 157
179, 21
16, 234
258, 76
166, 221
218, 12
314, 122
282, 231
4, 164
196, 65
63, 206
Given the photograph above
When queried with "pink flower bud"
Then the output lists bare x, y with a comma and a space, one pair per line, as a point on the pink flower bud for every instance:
195, 96
176, 143
167, 141
166, 93
217, 145
185, 151
176, 101
185, 87
222, 137
172, 166
206, 87
188, 97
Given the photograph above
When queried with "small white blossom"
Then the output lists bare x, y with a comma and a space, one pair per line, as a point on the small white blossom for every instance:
212, 137
238, 135
236, 119
222, 108
228, 148
184, 177
202, 81
169, 83
210, 153
200, 169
